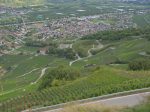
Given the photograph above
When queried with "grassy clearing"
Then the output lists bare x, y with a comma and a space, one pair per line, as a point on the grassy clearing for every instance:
17, 65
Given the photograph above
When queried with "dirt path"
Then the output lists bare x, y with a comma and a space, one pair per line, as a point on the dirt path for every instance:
78, 58
42, 74
99, 46
28, 72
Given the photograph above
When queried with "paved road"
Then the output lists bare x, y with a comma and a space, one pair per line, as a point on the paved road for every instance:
130, 100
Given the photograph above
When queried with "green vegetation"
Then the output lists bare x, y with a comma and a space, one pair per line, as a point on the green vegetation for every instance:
118, 35
67, 53
33, 74
36, 44
142, 20
82, 47
139, 64
102, 81
58, 76
116, 53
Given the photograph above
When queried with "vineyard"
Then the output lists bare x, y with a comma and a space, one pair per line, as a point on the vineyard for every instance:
103, 81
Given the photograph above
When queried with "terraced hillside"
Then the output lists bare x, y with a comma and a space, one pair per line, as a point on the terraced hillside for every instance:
103, 80
103, 68
56, 51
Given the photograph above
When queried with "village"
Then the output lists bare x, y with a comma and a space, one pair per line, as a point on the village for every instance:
66, 27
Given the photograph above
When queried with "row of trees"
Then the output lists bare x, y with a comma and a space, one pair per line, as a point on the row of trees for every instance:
31, 43
67, 53
52, 49
120, 34
140, 64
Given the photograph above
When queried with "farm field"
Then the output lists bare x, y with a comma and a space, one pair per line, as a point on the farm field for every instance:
124, 50
57, 51
26, 69
142, 20
102, 81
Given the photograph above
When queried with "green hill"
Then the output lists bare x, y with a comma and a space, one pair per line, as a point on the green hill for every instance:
103, 80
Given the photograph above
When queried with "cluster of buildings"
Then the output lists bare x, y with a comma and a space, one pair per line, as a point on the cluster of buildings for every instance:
80, 26
65, 27
72, 28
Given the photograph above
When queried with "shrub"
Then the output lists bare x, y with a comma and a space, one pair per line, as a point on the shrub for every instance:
58, 76
140, 64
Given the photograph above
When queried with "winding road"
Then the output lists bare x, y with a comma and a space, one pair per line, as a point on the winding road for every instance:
78, 58
99, 46
28, 73
42, 74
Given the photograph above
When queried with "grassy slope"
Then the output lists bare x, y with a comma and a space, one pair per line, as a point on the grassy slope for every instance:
142, 20
125, 50
102, 81
83, 46
21, 64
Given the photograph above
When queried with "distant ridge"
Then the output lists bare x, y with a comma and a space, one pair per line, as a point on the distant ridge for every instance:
17, 3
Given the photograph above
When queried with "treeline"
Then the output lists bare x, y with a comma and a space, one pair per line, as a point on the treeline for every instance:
52, 49
120, 34
140, 64
67, 53
39, 44
58, 76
